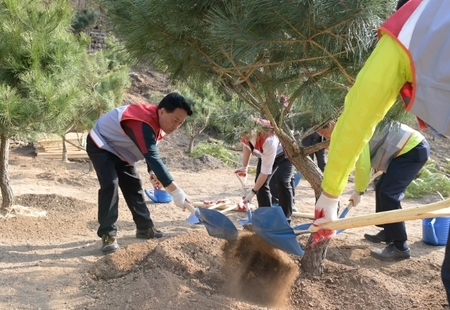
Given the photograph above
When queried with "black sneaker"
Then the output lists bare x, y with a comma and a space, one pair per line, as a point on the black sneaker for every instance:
377, 238
391, 253
109, 244
149, 233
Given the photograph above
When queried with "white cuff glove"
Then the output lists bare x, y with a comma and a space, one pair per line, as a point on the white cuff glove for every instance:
248, 198
242, 172
356, 198
179, 197
325, 210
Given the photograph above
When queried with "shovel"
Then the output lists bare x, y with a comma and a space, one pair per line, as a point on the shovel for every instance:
271, 225
249, 215
303, 215
217, 224
275, 230
194, 217
249, 212
350, 204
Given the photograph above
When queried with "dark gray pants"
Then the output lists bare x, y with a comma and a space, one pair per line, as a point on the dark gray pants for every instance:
282, 171
390, 188
112, 173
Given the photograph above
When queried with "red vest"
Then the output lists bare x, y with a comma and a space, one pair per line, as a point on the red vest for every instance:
147, 113
109, 135
258, 147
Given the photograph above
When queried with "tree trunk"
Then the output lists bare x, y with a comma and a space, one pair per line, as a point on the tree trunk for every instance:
312, 263
307, 168
64, 150
7, 194
191, 144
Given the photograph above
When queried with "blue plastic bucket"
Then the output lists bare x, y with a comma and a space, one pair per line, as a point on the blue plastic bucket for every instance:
435, 230
158, 195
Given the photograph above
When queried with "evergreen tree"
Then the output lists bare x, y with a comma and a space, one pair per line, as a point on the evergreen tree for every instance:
204, 100
40, 57
307, 50
103, 79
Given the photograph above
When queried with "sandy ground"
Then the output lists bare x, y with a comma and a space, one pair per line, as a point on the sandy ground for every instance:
51, 259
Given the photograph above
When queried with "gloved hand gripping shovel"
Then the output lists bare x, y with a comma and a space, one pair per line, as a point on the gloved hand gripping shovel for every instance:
350, 205
243, 203
271, 225
217, 224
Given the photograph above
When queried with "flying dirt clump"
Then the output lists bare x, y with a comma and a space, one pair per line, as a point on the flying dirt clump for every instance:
257, 272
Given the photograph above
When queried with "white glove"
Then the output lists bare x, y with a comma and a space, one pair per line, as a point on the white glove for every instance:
155, 182
248, 198
179, 197
356, 198
324, 212
242, 172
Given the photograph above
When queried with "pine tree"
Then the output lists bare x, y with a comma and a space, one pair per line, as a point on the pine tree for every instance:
307, 50
39, 59
102, 81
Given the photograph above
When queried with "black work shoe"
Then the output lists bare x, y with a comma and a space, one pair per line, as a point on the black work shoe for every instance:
391, 253
379, 237
109, 244
149, 233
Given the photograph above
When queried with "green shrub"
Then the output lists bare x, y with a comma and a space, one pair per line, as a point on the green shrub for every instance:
430, 180
84, 19
217, 150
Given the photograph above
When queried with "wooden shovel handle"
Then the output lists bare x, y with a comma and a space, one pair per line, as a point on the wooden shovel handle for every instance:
348, 206
387, 217
244, 190
213, 206
304, 215
190, 207
232, 207
438, 213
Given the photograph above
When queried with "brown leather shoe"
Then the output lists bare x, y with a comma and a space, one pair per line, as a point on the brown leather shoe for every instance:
377, 238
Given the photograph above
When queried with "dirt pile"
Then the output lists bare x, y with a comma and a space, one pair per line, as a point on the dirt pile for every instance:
258, 273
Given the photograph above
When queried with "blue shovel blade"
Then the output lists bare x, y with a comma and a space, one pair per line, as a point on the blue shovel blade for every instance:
194, 218
343, 215
249, 220
302, 226
271, 225
218, 225
244, 222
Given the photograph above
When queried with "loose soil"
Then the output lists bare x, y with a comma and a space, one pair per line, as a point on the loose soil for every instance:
50, 257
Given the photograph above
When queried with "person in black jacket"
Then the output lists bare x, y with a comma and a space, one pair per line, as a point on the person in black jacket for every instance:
310, 140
